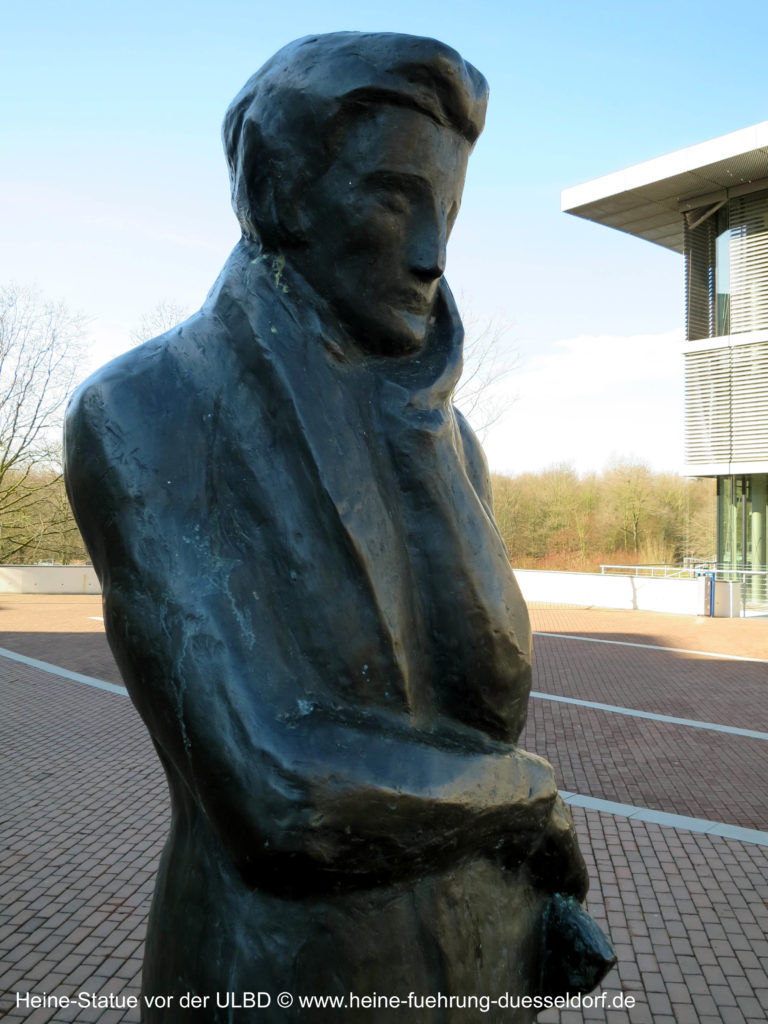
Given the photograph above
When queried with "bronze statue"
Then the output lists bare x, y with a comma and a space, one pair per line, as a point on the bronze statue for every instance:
305, 590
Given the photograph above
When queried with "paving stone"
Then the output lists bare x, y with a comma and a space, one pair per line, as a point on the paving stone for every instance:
659, 1004
684, 1013
752, 1007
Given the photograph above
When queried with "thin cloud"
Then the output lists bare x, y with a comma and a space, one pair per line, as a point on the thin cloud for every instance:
592, 399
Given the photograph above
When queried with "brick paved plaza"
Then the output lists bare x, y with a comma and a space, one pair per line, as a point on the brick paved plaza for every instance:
83, 808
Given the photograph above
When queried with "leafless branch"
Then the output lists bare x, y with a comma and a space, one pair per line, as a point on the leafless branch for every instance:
488, 360
161, 318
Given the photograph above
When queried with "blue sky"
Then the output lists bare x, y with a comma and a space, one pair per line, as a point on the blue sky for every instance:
113, 189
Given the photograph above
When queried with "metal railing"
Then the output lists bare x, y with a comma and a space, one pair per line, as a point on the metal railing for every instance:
653, 571
753, 583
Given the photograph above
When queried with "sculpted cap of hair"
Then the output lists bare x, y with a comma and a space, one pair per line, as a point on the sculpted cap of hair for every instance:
283, 128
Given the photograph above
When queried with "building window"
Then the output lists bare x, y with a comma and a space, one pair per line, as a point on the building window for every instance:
726, 267
722, 272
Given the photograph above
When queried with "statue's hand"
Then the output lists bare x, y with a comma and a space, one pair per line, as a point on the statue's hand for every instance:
543, 839
556, 863
527, 818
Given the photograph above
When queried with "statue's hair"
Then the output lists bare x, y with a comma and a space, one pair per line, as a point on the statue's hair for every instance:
284, 127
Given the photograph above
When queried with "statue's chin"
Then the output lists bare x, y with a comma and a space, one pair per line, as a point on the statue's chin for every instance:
414, 329
399, 334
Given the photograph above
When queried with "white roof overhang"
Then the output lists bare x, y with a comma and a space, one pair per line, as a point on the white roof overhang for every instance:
650, 199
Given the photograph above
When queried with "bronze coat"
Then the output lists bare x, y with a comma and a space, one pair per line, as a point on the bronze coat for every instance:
315, 616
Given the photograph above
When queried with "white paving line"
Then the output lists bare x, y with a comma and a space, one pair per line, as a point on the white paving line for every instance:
590, 803
651, 647
679, 821
55, 670
615, 709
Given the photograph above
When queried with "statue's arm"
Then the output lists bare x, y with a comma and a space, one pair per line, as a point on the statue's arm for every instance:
310, 794
344, 795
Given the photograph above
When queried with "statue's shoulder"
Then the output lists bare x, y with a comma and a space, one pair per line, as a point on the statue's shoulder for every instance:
131, 426
134, 415
115, 394
145, 391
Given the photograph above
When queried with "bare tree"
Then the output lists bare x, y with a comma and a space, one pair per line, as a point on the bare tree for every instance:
39, 357
161, 318
487, 362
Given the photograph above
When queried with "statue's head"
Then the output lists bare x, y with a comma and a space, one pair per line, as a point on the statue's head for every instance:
347, 152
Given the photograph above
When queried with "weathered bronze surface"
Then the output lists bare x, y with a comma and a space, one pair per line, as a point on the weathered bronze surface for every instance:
306, 592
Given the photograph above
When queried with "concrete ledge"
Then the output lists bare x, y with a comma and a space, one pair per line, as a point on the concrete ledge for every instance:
48, 579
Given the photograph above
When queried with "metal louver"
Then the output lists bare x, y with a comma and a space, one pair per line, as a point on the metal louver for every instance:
749, 262
699, 248
749, 399
726, 405
708, 407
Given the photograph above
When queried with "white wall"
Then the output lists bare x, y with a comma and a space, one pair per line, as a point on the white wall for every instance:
48, 579
682, 597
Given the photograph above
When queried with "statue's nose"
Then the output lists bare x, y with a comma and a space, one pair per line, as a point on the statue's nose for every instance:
428, 245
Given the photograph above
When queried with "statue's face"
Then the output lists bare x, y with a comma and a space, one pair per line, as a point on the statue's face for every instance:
377, 226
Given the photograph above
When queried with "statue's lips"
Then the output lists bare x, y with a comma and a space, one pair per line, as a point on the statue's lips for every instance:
413, 301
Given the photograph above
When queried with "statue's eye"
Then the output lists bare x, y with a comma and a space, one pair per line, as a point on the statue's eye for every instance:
395, 200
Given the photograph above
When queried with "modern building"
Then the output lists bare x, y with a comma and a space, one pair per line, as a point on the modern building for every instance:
710, 203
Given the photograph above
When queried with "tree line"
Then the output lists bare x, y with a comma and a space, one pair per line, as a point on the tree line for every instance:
627, 515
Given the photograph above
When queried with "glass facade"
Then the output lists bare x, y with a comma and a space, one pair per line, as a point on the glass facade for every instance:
741, 531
